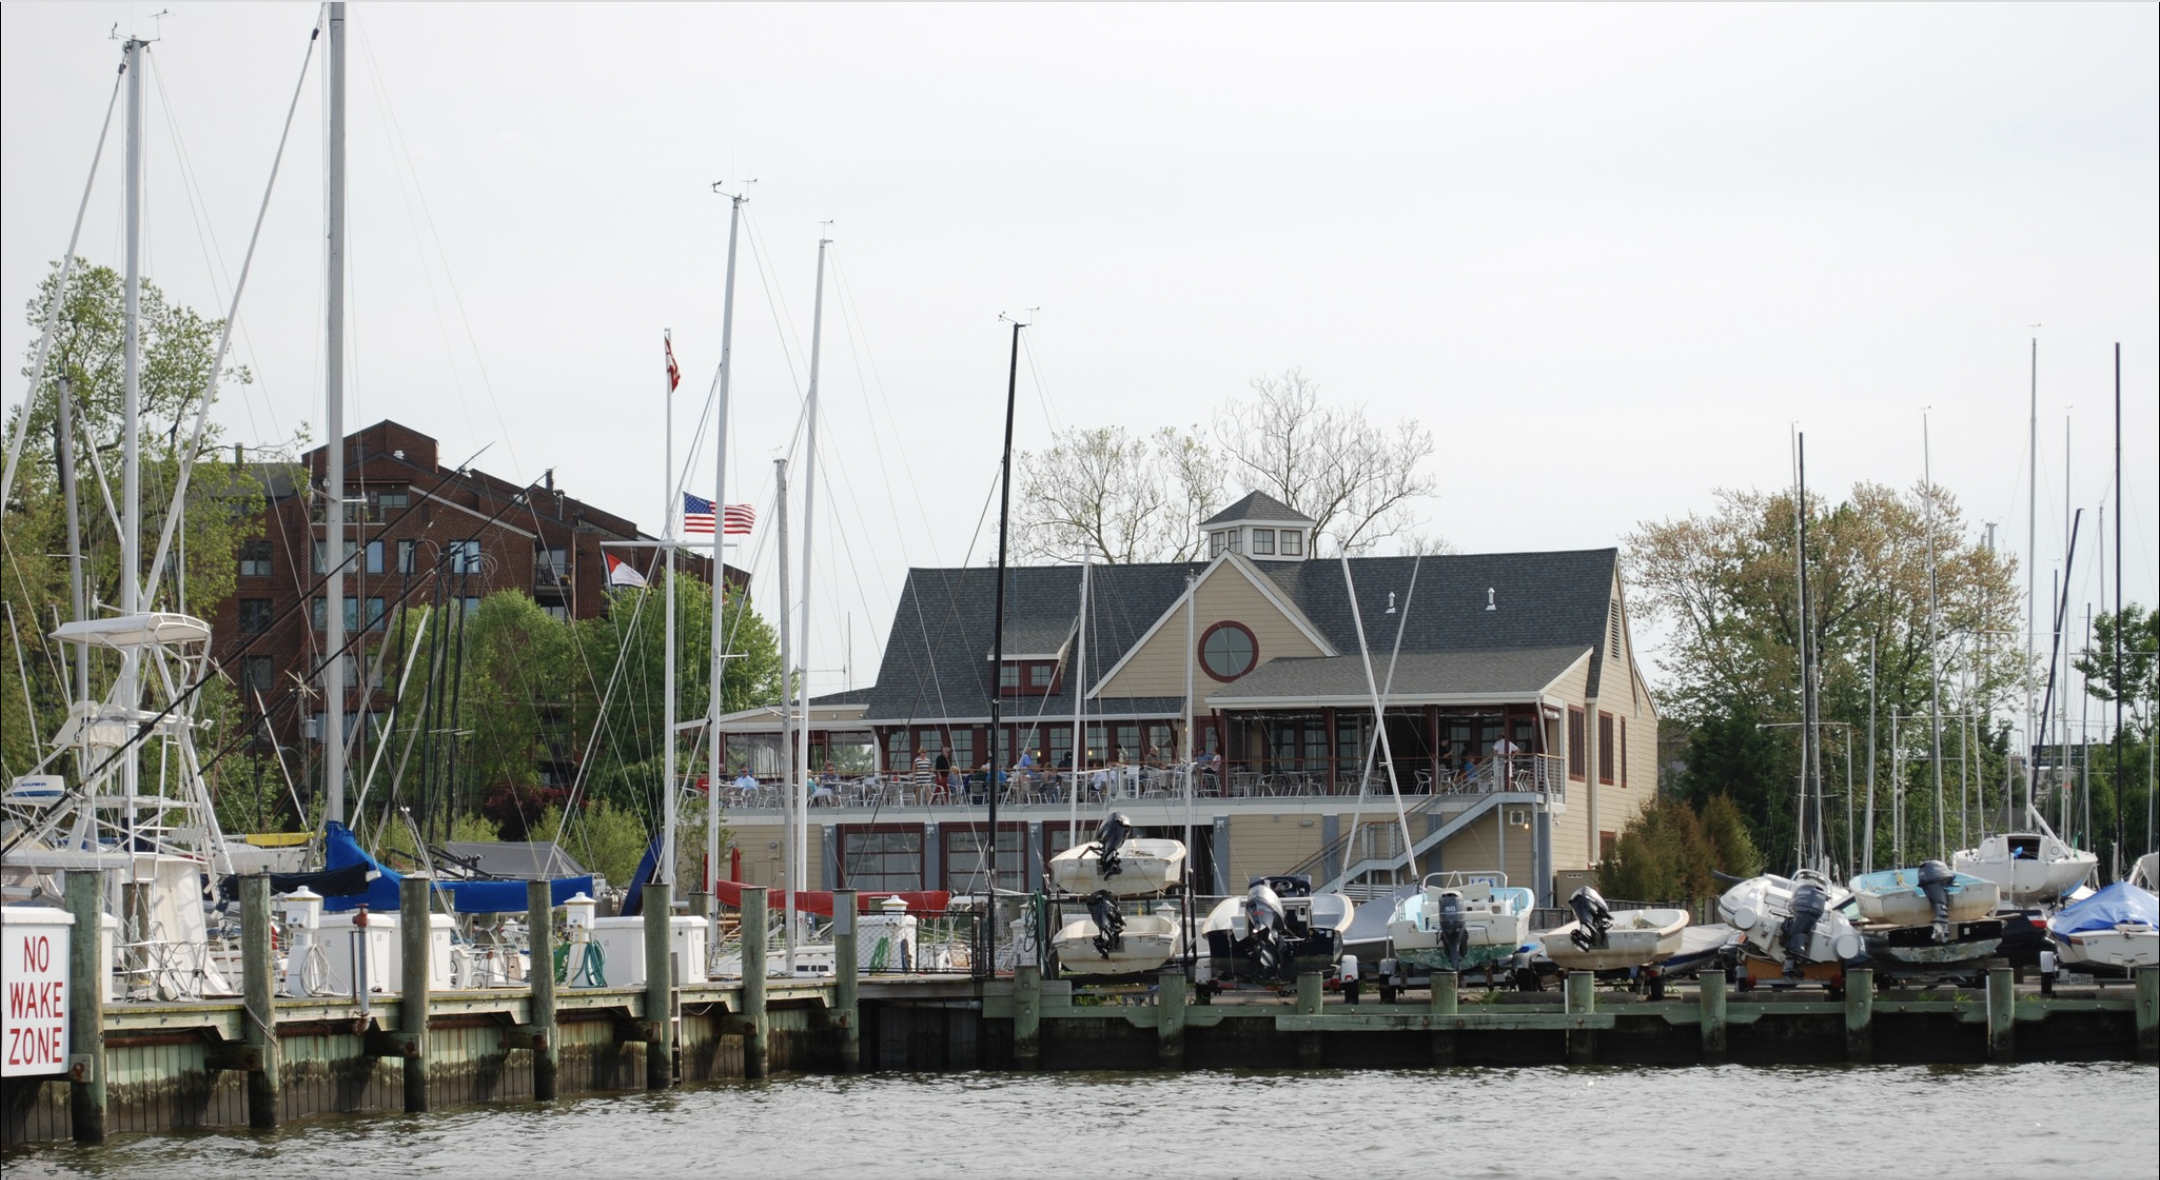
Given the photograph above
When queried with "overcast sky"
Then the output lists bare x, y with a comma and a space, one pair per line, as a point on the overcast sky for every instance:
1609, 254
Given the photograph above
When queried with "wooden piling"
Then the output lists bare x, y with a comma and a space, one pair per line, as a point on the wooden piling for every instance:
1445, 985
2001, 1014
1310, 1050
1027, 1016
540, 939
86, 1006
1581, 1001
1860, 1014
258, 986
1170, 997
2148, 1013
659, 985
1712, 999
413, 931
847, 980
757, 1033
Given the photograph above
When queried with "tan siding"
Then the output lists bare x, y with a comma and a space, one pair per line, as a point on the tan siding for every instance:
1261, 844
1157, 669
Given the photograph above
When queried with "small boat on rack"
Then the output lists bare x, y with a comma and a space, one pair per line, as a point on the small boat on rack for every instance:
2117, 927
1276, 932
1460, 920
1108, 941
2030, 868
1792, 920
1601, 940
1120, 863
1931, 894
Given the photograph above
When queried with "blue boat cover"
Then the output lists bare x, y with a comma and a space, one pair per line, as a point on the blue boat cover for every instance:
2111, 907
341, 851
633, 902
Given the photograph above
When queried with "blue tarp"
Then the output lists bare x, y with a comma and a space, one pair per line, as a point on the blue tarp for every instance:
634, 900
340, 851
2107, 909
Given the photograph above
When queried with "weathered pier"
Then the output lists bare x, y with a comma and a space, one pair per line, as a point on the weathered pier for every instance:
261, 1059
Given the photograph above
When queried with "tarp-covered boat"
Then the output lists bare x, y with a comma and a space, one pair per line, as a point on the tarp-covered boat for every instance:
2118, 927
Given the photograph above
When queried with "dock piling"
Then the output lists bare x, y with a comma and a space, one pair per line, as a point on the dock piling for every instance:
2148, 1013
258, 984
540, 939
1445, 985
1170, 997
1860, 1014
1309, 999
1027, 1016
1581, 1001
1713, 1016
659, 912
847, 980
86, 1006
757, 1033
2001, 1014
413, 932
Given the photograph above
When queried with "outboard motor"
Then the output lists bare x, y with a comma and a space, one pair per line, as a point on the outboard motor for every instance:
1115, 830
1109, 922
1592, 919
1935, 881
1454, 932
1809, 902
1264, 916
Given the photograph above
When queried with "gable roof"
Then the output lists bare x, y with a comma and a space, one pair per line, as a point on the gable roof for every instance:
1258, 506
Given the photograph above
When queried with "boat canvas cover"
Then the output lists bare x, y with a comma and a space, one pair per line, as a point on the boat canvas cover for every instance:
350, 881
341, 851
2118, 904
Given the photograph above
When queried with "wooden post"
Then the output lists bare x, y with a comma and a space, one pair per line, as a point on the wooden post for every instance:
1445, 985
86, 1006
1859, 1014
540, 940
258, 985
847, 979
1311, 1050
1027, 1016
1581, 1001
756, 1032
2002, 1014
660, 985
413, 931
1170, 996
1713, 1017
2148, 1013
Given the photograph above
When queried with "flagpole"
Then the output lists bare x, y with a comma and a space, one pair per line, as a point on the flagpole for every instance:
665, 870
713, 768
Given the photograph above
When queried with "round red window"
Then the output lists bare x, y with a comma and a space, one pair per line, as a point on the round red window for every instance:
1228, 650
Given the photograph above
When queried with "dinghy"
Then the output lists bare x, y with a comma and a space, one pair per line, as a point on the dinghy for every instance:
1931, 894
1109, 941
2117, 927
1118, 862
1600, 940
1276, 932
1461, 920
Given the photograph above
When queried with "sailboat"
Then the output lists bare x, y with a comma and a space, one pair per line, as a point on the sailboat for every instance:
2117, 927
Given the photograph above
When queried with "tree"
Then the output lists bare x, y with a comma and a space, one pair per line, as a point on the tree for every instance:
1670, 852
1357, 481
2139, 684
1102, 495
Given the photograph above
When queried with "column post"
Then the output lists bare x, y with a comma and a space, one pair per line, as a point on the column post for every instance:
757, 1054
1860, 1014
540, 940
1713, 1016
86, 1006
413, 991
847, 979
258, 984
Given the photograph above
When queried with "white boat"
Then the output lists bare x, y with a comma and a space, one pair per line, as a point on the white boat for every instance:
1277, 931
1909, 896
1792, 920
1110, 942
1460, 920
2030, 868
2117, 927
1115, 861
1600, 940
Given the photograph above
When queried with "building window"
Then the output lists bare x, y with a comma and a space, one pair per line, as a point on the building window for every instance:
1237, 540
967, 858
1606, 842
1263, 542
405, 551
1228, 650
256, 676
388, 502
1216, 543
551, 566
351, 547
558, 612
374, 557
1577, 737
1604, 747
352, 614
255, 559
375, 613
472, 604
255, 616
465, 556
1040, 674
1623, 751
882, 860
1293, 543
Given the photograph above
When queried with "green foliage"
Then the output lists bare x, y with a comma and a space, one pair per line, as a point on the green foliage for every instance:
1668, 852
2139, 685
606, 839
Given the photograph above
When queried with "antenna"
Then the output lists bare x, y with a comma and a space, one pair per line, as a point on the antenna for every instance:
1489, 603
716, 187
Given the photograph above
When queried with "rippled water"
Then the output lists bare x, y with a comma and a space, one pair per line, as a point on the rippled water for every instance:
2029, 1121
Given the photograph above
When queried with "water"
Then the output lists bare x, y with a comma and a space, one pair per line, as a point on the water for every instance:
2086, 1121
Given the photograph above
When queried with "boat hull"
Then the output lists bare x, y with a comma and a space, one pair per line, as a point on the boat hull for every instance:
1894, 898
1148, 942
1637, 938
1314, 941
1145, 867
1496, 924
2124, 948
2027, 867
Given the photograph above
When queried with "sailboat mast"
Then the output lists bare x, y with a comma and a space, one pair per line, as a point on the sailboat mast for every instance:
803, 770
787, 725
1078, 676
997, 630
131, 347
713, 769
2116, 764
2032, 581
64, 436
333, 734
1935, 754
665, 870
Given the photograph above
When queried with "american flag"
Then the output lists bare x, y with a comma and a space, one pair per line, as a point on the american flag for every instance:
738, 519
697, 515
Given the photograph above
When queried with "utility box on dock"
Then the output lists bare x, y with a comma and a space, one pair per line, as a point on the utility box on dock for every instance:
341, 941
622, 947
885, 941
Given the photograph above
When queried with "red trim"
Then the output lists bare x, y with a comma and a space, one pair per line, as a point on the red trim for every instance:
820, 901
1200, 651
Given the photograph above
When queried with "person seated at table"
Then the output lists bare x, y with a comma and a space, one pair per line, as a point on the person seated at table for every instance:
1099, 783
748, 782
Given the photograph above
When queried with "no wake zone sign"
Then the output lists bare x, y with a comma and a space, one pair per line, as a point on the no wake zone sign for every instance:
33, 991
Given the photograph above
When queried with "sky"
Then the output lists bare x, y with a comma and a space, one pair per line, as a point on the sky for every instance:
1611, 255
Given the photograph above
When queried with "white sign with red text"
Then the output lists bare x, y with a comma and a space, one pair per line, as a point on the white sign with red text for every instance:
33, 990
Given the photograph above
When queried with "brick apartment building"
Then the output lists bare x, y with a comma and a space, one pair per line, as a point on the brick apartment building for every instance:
425, 534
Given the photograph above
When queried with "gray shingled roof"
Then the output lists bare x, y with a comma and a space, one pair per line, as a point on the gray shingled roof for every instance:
936, 663
1258, 506
1418, 676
